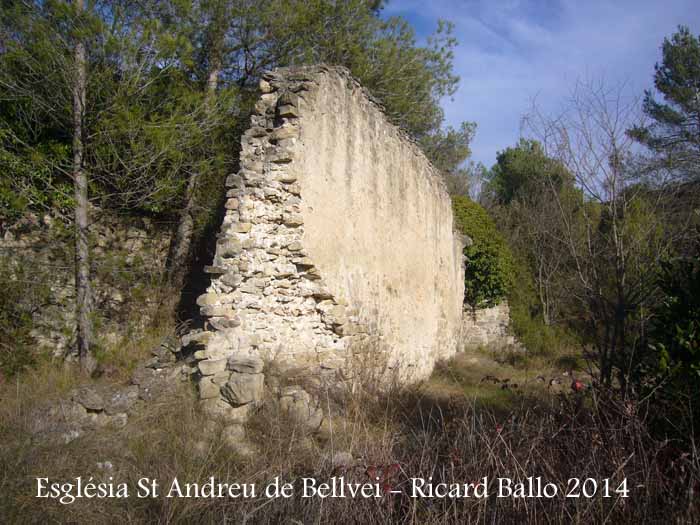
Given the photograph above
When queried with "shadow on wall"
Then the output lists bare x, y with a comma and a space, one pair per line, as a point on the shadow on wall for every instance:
203, 248
197, 280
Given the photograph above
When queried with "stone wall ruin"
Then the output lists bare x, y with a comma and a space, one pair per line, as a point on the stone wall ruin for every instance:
337, 244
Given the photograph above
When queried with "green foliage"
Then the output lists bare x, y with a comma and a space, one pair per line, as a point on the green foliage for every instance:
29, 181
523, 170
489, 266
146, 126
529, 193
407, 78
448, 149
675, 332
667, 367
527, 321
674, 133
169, 89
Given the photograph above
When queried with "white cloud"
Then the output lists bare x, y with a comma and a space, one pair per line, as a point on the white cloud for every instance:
513, 50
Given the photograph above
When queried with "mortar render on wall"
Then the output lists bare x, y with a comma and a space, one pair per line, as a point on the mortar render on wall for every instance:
337, 241
488, 327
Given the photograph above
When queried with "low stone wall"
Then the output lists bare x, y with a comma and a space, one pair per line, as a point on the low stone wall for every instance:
487, 327
127, 257
337, 246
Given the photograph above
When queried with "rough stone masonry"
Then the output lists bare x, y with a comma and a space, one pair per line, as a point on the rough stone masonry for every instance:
337, 250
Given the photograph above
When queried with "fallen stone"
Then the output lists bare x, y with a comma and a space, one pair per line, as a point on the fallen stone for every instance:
121, 400
89, 398
220, 409
233, 435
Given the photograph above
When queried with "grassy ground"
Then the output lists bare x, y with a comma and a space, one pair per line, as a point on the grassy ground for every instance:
463, 424
497, 379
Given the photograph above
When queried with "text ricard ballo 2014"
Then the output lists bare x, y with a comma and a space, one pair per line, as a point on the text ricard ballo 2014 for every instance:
67, 492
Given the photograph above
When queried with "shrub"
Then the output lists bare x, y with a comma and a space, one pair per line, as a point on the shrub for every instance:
489, 265
527, 321
669, 372
675, 333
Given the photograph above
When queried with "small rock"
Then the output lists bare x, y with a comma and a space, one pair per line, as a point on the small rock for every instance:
71, 435
199, 337
119, 420
206, 299
265, 86
229, 247
287, 178
287, 110
122, 400
231, 279
215, 270
209, 367
208, 389
292, 219
222, 323
89, 398
245, 364
298, 404
221, 310
242, 389
242, 227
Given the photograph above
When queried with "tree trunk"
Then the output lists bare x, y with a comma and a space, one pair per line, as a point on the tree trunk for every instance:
178, 256
82, 263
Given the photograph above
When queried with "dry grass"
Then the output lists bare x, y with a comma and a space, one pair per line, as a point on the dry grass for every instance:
438, 429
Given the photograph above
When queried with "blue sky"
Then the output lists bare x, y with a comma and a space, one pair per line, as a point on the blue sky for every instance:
511, 51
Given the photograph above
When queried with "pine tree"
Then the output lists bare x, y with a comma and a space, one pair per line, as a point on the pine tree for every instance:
674, 133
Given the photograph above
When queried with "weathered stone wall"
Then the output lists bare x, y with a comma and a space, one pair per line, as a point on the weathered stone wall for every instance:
378, 225
338, 238
127, 257
487, 327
